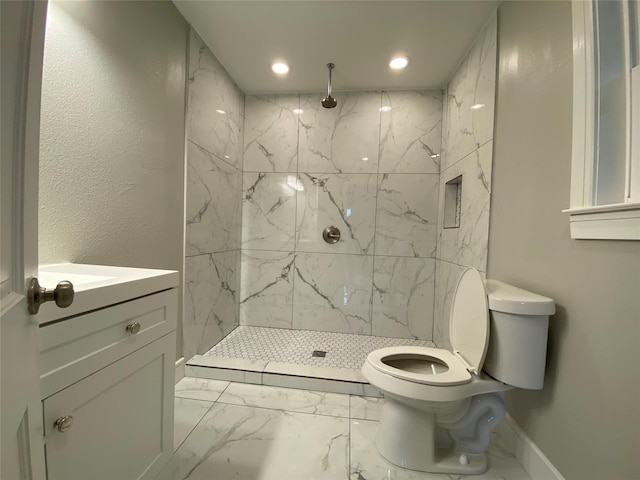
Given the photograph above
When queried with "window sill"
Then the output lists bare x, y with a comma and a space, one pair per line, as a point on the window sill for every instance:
606, 222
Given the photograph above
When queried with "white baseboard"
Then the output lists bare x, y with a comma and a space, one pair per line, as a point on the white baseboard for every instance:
180, 369
536, 464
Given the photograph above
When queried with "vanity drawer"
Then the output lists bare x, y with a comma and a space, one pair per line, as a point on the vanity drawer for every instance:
74, 348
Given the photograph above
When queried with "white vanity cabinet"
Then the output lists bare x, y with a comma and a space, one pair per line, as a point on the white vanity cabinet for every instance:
107, 382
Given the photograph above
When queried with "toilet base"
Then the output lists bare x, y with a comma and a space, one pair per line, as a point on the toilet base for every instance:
449, 462
407, 436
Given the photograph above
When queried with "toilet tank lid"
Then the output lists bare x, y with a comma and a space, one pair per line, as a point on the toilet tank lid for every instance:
509, 299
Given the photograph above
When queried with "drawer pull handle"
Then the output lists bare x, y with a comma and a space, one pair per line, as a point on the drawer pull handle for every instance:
63, 424
133, 328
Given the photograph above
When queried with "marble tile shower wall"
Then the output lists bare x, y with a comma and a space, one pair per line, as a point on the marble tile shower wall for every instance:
215, 110
370, 167
468, 152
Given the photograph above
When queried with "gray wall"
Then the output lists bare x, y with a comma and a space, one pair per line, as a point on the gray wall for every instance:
586, 419
112, 135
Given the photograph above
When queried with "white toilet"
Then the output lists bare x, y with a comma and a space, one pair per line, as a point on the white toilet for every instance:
441, 406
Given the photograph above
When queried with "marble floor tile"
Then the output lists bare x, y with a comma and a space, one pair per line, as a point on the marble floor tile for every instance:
237, 442
301, 401
366, 408
200, 388
187, 414
367, 464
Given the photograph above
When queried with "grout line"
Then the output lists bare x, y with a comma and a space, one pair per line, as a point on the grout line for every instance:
295, 218
475, 150
175, 449
285, 409
211, 253
329, 253
343, 173
375, 216
214, 154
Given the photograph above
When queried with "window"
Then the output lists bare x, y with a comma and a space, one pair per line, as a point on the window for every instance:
605, 170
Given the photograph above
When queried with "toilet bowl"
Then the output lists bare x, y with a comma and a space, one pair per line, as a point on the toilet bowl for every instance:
440, 405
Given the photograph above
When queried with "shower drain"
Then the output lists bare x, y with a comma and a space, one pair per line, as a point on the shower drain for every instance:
319, 353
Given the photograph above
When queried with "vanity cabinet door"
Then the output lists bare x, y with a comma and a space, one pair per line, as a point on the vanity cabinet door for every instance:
122, 419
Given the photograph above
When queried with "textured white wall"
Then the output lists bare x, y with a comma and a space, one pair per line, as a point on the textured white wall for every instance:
112, 134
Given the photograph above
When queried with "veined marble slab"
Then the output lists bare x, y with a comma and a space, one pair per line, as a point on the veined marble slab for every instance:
200, 388
410, 132
301, 401
187, 414
403, 297
271, 133
319, 384
211, 309
269, 211
468, 244
212, 203
266, 294
407, 215
366, 408
333, 293
235, 441
330, 371
215, 108
471, 98
344, 201
344, 139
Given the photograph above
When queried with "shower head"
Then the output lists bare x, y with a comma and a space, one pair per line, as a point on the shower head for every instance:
329, 101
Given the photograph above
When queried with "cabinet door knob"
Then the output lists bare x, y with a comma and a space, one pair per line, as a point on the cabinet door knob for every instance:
133, 328
63, 424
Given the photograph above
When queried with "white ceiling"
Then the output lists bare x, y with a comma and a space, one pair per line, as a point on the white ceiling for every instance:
360, 37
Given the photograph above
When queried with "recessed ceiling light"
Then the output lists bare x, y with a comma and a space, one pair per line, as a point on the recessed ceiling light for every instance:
364, 159
477, 106
280, 68
386, 108
221, 112
299, 111
399, 62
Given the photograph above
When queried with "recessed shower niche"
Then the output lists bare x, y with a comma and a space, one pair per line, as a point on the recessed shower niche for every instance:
452, 203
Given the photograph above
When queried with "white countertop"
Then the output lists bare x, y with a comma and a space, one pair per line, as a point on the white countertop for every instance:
98, 286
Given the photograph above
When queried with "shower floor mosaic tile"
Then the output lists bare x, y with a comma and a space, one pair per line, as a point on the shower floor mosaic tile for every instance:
343, 350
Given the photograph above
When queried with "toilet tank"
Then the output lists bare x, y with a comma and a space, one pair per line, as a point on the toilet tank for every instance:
519, 323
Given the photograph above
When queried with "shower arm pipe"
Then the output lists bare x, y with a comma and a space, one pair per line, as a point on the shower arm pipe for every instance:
330, 66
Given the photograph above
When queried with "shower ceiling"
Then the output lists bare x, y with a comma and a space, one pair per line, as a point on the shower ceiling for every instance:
360, 37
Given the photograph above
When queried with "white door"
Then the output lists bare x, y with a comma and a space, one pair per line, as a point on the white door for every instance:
22, 27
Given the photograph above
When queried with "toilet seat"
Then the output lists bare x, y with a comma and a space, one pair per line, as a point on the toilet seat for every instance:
469, 333
456, 373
